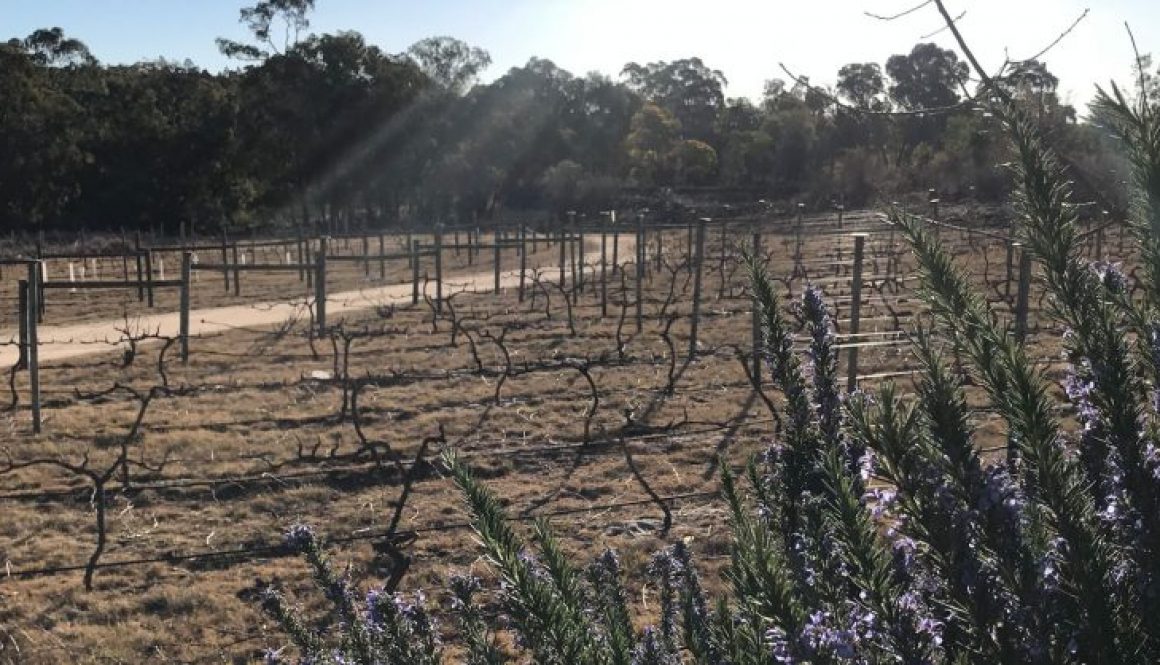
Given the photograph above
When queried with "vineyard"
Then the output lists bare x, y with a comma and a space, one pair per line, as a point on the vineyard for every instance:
598, 387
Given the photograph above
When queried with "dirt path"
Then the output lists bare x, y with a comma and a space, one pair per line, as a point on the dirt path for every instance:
64, 342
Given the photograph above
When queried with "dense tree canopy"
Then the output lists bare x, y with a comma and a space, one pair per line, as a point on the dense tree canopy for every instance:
328, 125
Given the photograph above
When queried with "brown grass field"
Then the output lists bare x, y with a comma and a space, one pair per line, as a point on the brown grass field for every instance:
249, 439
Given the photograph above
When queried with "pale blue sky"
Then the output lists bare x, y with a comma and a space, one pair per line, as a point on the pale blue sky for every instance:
743, 38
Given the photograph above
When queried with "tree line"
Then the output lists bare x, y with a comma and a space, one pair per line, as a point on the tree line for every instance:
323, 126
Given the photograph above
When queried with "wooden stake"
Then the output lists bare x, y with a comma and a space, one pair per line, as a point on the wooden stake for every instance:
855, 312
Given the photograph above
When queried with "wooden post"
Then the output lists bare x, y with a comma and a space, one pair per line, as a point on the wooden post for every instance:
415, 244
439, 268
497, 256
237, 271
366, 252
302, 254
659, 259
721, 263
563, 257
226, 259
149, 277
183, 320
604, 272
140, 268
523, 259
572, 246
308, 248
33, 343
756, 318
124, 255
382, 258
1021, 307
698, 268
320, 285
640, 273
22, 363
855, 312
580, 258
615, 248
1010, 268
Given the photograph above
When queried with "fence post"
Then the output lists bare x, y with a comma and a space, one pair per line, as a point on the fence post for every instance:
523, 259
237, 271
414, 261
659, 259
320, 285
497, 256
382, 258
1024, 292
124, 255
33, 344
22, 363
308, 250
301, 251
366, 252
572, 246
226, 259
563, 257
698, 267
721, 264
149, 277
615, 246
756, 318
183, 321
439, 268
855, 312
140, 268
640, 272
604, 272
580, 257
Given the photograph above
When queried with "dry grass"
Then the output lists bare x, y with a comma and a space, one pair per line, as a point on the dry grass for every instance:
253, 411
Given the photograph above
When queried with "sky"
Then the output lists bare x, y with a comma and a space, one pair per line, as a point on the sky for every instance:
747, 40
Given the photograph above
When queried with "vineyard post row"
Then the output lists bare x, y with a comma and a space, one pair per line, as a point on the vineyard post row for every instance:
318, 256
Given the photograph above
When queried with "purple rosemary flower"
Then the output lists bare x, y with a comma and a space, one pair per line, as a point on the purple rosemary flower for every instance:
1002, 492
300, 536
651, 650
273, 656
779, 646
823, 361
905, 549
867, 465
1111, 275
881, 502
463, 587
1154, 343
840, 637
1152, 460
1049, 565
608, 564
931, 629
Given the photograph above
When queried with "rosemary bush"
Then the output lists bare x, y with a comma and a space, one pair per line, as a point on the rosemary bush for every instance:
873, 531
